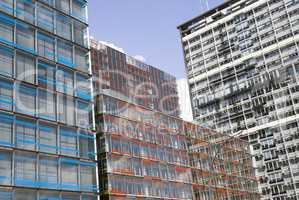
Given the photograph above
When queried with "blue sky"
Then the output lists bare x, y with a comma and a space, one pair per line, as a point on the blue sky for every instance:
146, 28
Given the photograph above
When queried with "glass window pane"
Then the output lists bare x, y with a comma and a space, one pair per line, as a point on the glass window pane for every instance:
70, 196
48, 172
22, 194
6, 61
83, 87
66, 110
63, 26
65, 81
69, 174
46, 105
61, 108
25, 99
80, 33
25, 170
45, 18
68, 142
88, 176
65, 53
83, 117
70, 111
6, 94
48, 195
25, 10
47, 138
25, 133
5, 168
79, 9
86, 141
63, 5
81, 59
50, 2
25, 37
89, 197
45, 46
25, 68
46, 75
6, 29
6, 194
6, 6
6, 124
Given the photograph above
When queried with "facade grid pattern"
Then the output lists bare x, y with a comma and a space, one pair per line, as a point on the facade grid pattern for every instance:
148, 154
47, 138
242, 65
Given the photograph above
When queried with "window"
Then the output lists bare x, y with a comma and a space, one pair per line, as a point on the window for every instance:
70, 196
46, 75
6, 124
46, 46
63, 5
115, 146
6, 29
25, 170
68, 142
79, 8
5, 194
46, 105
47, 138
45, 18
6, 94
65, 53
25, 10
65, 81
63, 26
25, 99
5, 168
25, 134
48, 172
6, 6
66, 110
6, 61
21, 194
83, 118
88, 176
86, 142
137, 167
25, 68
50, 2
81, 59
69, 174
25, 37
80, 33
89, 197
83, 85
46, 195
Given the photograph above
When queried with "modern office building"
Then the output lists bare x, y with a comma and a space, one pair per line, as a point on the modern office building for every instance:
47, 142
132, 80
242, 66
148, 154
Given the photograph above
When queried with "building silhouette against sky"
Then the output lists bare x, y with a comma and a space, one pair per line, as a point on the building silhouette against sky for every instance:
51, 147
46, 139
242, 66
147, 152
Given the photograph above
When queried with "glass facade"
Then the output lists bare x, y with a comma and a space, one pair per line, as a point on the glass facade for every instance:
46, 130
145, 152
242, 66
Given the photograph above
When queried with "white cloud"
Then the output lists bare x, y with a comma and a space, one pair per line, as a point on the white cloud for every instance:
184, 99
109, 44
140, 58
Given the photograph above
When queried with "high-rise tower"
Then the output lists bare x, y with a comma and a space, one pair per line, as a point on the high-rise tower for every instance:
242, 66
46, 138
